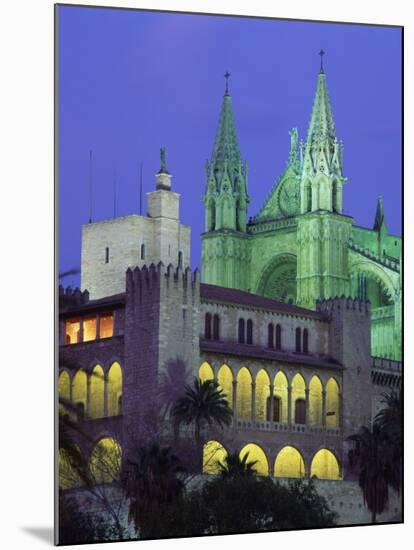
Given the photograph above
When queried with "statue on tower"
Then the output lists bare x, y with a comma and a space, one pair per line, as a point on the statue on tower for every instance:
163, 158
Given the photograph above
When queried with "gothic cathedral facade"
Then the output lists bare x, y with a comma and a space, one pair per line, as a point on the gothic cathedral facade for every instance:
300, 247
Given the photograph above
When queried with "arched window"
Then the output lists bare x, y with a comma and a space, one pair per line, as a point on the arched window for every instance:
68, 475
214, 454
256, 454
143, 252
207, 326
278, 337
276, 409
114, 382
105, 460
332, 403
180, 259
281, 392
270, 336
241, 331
300, 411
249, 339
298, 340
289, 463
216, 327
305, 340
64, 390
97, 384
325, 465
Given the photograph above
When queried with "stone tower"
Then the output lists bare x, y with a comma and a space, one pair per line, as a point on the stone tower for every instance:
323, 232
224, 243
111, 246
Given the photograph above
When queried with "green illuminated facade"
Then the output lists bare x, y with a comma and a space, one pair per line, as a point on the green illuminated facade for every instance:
300, 247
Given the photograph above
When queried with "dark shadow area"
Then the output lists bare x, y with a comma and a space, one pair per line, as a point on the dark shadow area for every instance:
42, 533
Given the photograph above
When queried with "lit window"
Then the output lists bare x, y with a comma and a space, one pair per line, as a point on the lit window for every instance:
72, 335
89, 328
106, 325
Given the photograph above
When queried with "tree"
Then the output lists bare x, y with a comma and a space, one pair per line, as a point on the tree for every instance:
154, 479
374, 457
203, 403
390, 421
235, 467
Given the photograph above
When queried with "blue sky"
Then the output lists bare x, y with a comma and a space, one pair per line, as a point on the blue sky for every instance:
130, 82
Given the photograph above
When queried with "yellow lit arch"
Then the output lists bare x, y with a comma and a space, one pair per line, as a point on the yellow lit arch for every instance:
332, 403
79, 389
298, 392
262, 394
256, 454
205, 372
97, 385
105, 460
114, 381
63, 389
289, 463
325, 465
315, 401
225, 380
68, 476
213, 454
281, 391
244, 394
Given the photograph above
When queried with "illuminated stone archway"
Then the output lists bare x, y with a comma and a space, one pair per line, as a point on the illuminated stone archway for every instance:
315, 401
69, 478
262, 394
289, 463
79, 389
278, 279
97, 389
281, 392
114, 381
214, 454
105, 460
257, 455
298, 399
205, 372
225, 381
332, 403
325, 465
244, 394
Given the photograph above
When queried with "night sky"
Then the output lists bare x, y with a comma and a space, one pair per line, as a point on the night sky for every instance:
130, 82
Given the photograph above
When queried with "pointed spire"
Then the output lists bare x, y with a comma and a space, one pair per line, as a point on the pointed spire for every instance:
321, 126
379, 215
226, 152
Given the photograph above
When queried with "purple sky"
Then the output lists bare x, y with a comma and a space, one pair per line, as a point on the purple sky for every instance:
133, 81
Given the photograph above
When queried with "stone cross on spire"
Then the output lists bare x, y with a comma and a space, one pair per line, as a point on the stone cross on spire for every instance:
227, 76
321, 53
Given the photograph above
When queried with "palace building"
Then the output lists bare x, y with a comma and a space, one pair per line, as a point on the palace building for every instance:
297, 316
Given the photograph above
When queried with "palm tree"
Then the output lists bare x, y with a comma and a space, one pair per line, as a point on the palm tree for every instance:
153, 479
390, 421
374, 456
203, 403
235, 467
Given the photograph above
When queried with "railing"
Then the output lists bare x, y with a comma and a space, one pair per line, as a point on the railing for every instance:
285, 427
261, 226
390, 365
386, 261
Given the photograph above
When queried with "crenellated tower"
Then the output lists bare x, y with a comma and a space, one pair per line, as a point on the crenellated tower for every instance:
323, 233
225, 244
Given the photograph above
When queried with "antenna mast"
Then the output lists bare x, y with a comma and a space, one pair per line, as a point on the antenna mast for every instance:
90, 186
140, 189
114, 192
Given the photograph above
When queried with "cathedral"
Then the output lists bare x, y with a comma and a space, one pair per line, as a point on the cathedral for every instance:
297, 314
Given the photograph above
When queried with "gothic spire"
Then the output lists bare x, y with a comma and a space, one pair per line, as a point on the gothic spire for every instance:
379, 215
321, 126
225, 158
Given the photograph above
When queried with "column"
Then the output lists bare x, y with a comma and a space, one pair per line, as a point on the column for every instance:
307, 412
253, 401
106, 382
323, 408
272, 403
235, 401
289, 404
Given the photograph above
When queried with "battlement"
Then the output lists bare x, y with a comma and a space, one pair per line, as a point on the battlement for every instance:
148, 278
344, 303
72, 297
